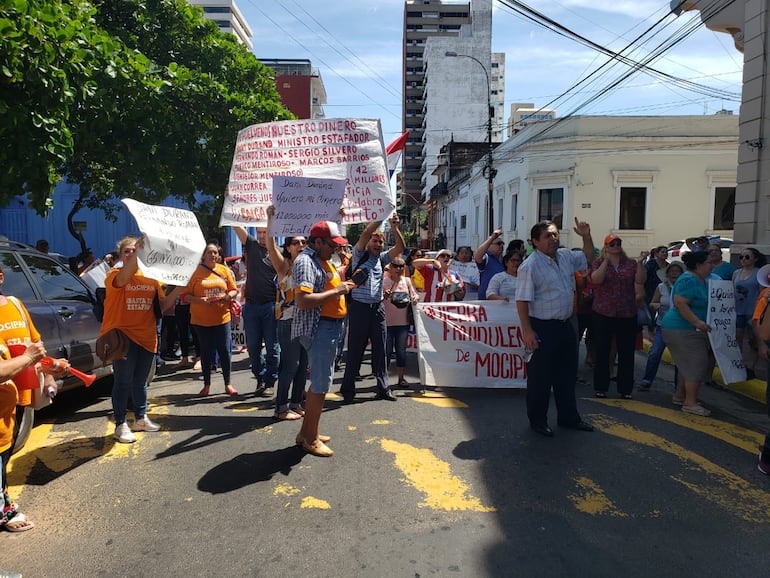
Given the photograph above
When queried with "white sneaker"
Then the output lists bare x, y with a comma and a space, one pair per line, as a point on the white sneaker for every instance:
145, 424
123, 434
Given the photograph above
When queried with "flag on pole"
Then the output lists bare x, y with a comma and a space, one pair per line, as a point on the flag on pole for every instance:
394, 150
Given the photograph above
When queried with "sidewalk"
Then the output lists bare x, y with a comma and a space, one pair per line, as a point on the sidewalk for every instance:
752, 388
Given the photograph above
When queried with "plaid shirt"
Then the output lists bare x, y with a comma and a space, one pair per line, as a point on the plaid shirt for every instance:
307, 272
549, 284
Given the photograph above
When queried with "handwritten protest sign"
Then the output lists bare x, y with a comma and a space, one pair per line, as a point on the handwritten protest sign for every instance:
173, 242
301, 201
470, 274
721, 319
347, 149
470, 344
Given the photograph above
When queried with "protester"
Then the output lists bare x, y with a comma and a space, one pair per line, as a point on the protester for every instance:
660, 304
258, 315
441, 283
294, 362
366, 312
544, 301
129, 307
465, 265
413, 273
502, 287
618, 292
341, 260
763, 464
210, 291
320, 306
746, 294
656, 260
488, 257
396, 284
11, 519
721, 269
685, 331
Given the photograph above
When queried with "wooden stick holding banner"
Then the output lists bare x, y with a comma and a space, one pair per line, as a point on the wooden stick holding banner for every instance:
173, 242
721, 318
300, 202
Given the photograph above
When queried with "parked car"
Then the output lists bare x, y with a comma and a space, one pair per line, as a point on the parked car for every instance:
66, 313
678, 248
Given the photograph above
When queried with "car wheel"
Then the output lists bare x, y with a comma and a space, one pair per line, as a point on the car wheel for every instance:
27, 421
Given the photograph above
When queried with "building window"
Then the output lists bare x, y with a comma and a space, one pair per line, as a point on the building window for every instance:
499, 215
514, 209
633, 207
550, 206
724, 208
476, 219
463, 221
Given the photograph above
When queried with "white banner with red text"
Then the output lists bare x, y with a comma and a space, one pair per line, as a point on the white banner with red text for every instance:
470, 344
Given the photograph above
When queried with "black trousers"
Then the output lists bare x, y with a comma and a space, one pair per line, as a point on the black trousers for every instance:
553, 367
365, 323
623, 329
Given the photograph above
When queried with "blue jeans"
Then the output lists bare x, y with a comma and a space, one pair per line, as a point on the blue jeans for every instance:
366, 323
321, 349
397, 339
654, 357
130, 378
293, 369
259, 324
214, 339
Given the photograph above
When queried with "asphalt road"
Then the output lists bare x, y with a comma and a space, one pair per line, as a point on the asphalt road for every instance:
447, 483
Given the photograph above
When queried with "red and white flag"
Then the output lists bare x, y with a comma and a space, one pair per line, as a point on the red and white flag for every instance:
394, 150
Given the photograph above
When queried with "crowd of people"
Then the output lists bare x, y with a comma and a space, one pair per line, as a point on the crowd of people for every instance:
305, 297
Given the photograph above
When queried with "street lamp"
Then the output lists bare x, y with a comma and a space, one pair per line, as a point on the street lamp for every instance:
489, 168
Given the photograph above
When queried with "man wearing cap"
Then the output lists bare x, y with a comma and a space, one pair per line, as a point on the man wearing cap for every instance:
489, 260
258, 315
544, 297
320, 300
366, 315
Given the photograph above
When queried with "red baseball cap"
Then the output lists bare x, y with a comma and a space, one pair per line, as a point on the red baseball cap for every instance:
611, 237
328, 230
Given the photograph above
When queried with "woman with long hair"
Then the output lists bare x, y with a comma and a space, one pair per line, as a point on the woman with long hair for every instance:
746, 294
685, 331
618, 292
209, 291
294, 360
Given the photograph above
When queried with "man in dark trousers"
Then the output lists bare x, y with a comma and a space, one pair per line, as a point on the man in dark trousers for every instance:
258, 315
545, 290
366, 311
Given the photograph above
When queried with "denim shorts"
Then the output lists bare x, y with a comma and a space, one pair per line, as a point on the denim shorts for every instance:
321, 352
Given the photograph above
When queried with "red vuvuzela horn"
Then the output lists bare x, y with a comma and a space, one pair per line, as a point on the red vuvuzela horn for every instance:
59, 367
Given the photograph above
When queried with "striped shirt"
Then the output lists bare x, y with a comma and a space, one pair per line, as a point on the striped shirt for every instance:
549, 284
309, 276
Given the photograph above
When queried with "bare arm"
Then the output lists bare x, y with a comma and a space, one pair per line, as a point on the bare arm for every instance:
10, 367
478, 256
242, 234
639, 279
584, 230
398, 248
279, 263
682, 305
311, 300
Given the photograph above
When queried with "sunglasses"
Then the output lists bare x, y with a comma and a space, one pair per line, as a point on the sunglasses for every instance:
746, 257
615, 243
298, 242
397, 266
444, 257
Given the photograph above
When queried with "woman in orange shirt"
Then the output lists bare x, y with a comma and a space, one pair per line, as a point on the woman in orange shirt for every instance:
129, 307
209, 292
10, 517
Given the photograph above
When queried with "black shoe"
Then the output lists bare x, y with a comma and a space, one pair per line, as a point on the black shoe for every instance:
337, 362
581, 425
260, 388
347, 397
386, 394
543, 430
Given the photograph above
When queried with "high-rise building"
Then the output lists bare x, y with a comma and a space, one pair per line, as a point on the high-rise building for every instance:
422, 19
300, 86
226, 15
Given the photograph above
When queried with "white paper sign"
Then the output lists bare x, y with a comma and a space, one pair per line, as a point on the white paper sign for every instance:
300, 202
347, 149
95, 275
173, 242
721, 319
470, 344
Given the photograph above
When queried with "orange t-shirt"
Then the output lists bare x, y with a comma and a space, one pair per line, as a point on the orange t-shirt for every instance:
17, 328
761, 304
333, 308
129, 308
8, 400
208, 283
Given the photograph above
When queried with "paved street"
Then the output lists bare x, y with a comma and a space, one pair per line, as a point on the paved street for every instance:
446, 483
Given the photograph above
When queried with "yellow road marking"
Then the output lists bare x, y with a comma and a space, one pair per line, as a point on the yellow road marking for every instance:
285, 490
20, 466
431, 476
593, 500
727, 490
316, 503
381, 422
735, 435
436, 399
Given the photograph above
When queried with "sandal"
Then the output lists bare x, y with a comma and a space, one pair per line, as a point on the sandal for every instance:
626, 396
19, 523
600, 394
204, 392
230, 390
298, 410
287, 416
696, 409
677, 401
403, 383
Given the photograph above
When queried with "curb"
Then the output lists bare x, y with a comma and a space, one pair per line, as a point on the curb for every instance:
755, 389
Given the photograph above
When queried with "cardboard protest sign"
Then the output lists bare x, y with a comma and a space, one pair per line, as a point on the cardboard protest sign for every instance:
347, 149
300, 202
173, 242
470, 344
721, 318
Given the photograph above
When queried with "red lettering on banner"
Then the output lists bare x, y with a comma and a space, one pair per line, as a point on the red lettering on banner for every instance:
500, 365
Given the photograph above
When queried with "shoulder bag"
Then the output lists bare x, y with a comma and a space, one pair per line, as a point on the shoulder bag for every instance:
111, 346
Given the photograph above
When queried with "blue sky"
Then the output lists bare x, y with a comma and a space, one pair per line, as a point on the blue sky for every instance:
356, 46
